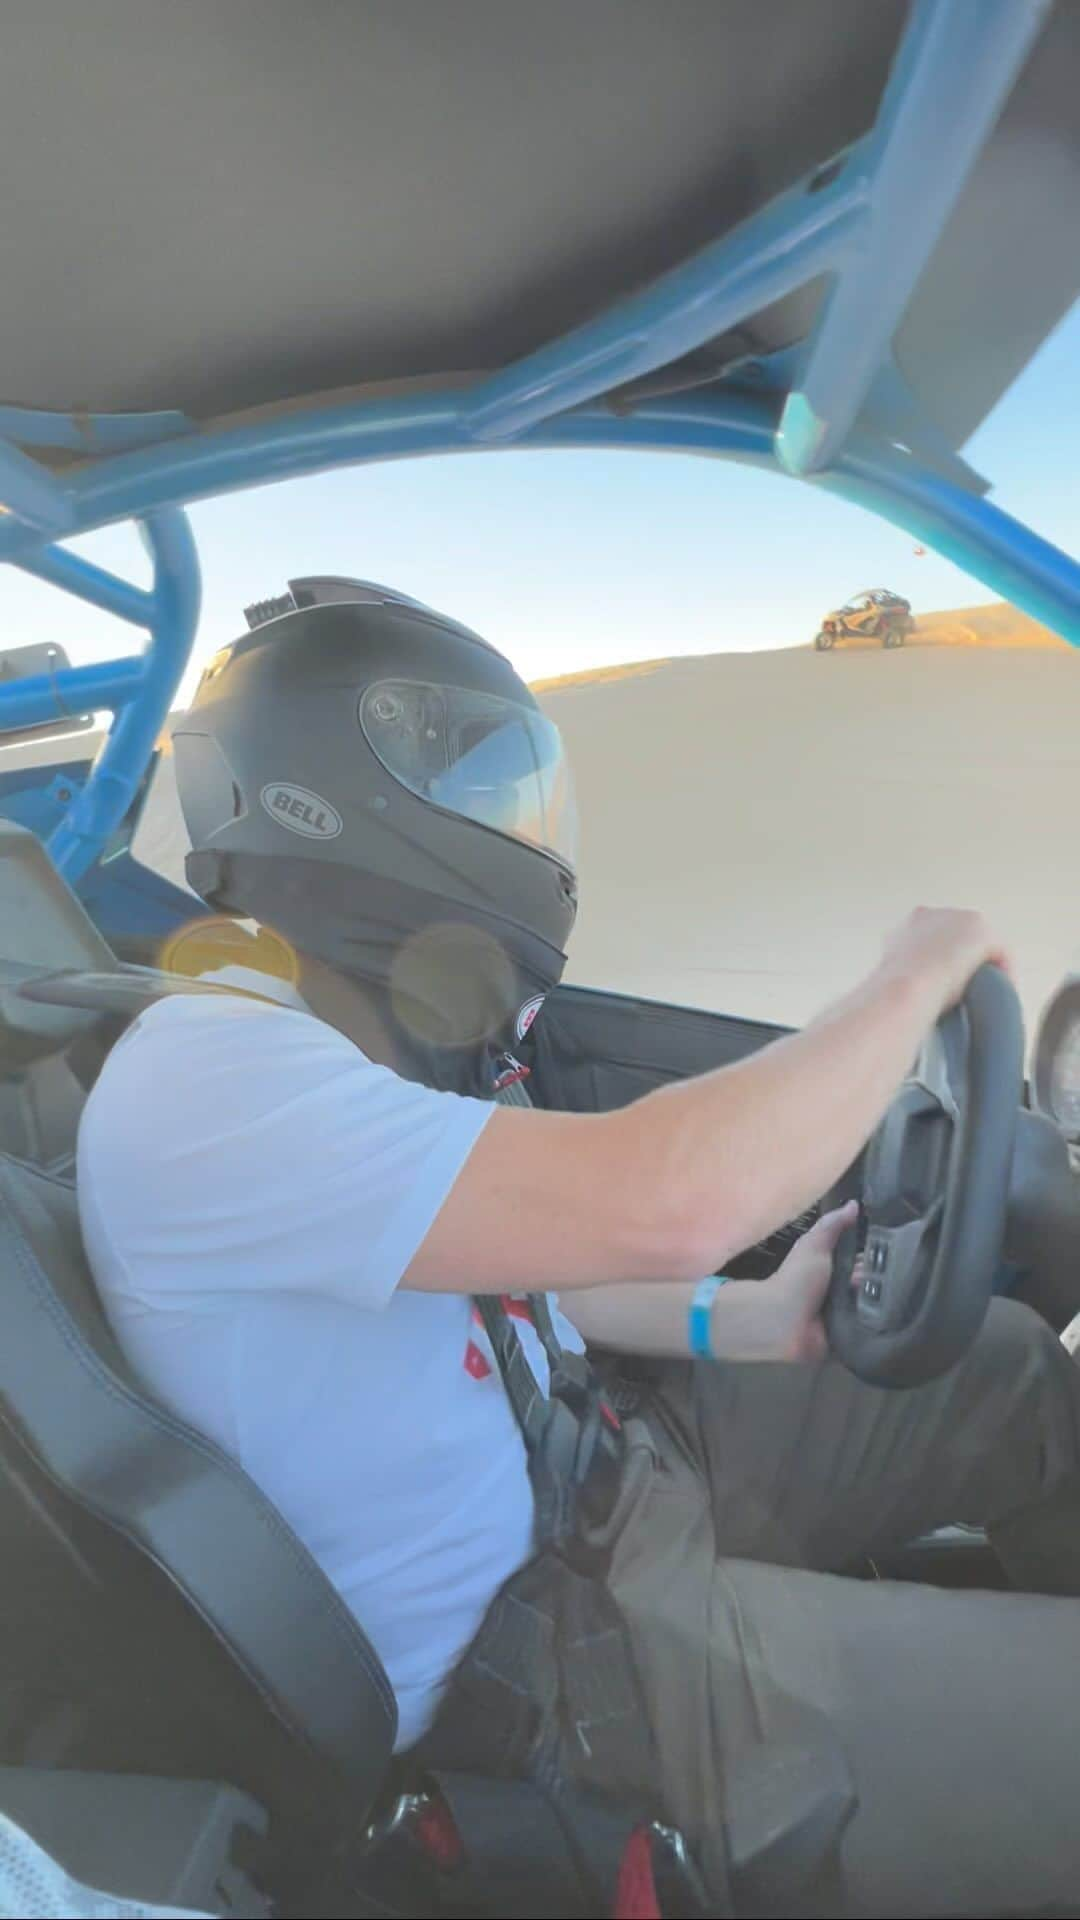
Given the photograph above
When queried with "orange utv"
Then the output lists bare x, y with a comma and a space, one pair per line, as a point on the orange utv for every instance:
878, 614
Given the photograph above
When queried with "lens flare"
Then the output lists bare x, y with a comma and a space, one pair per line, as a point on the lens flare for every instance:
205, 945
452, 985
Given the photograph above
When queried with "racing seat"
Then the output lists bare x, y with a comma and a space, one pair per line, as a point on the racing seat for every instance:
307, 1722
45, 1052
210, 1597
71, 1403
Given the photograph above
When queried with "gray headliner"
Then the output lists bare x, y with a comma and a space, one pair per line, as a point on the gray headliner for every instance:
212, 207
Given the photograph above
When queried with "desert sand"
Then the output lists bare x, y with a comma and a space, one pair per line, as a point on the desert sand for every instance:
753, 822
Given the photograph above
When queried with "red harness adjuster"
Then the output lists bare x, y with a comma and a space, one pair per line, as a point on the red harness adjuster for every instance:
636, 1897
512, 1075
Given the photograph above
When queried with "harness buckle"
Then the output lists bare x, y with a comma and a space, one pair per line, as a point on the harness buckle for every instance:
679, 1886
575, 1464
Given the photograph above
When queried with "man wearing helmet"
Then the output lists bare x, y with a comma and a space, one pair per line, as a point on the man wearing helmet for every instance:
304, 1214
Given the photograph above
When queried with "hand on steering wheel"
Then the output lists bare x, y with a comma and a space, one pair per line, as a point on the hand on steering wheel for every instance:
933, 1186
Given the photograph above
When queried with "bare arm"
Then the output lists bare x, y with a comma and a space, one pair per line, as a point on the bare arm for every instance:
649, 1317
774, 1319
679, 1182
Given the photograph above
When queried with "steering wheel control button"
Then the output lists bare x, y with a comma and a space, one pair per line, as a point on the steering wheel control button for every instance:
875, 1259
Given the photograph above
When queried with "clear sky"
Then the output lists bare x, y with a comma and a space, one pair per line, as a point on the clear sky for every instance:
575, 560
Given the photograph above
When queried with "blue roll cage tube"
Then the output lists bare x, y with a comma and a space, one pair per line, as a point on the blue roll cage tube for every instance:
836, 414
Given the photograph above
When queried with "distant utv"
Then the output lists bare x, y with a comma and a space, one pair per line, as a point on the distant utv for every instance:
878, 613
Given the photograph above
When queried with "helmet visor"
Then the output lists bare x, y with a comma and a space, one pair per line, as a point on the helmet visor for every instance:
473, 754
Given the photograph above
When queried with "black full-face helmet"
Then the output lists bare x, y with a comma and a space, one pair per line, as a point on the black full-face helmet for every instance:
376, 784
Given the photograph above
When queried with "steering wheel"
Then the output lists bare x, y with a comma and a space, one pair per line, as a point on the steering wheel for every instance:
933, 1183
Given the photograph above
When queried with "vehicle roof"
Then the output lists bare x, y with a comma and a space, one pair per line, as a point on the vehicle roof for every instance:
210, 209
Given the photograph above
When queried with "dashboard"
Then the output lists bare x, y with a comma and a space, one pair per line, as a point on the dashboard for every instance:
1055, 1066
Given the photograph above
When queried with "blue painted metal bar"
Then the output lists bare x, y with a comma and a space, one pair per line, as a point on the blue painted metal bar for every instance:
127, 485
101, 688
80, 577
989, 544
89, 433
986, 542
30, 494
362, 432
874, 221
952, 75
968, 529
977, 535
98, 810
802, 233
891, 413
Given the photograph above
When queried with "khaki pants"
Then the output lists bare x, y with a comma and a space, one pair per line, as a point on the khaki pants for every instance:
958, 1712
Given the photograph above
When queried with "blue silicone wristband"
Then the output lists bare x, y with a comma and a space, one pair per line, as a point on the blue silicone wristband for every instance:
700, 1319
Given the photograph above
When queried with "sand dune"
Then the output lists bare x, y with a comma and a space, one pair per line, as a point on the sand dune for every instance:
997, 625
752, 822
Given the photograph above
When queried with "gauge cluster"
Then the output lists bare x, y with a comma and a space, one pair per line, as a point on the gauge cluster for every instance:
1055, 1068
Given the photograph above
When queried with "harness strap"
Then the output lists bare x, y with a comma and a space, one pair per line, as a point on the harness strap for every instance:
529, 1405
535, 1853
550, 1682
572, 1436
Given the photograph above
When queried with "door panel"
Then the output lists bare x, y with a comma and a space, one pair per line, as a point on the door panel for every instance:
590, 1052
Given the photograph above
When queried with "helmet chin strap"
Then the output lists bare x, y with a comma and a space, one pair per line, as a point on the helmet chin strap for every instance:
396, 1032
435, 999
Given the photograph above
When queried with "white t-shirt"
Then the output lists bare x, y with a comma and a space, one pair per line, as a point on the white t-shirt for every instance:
252, 1189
